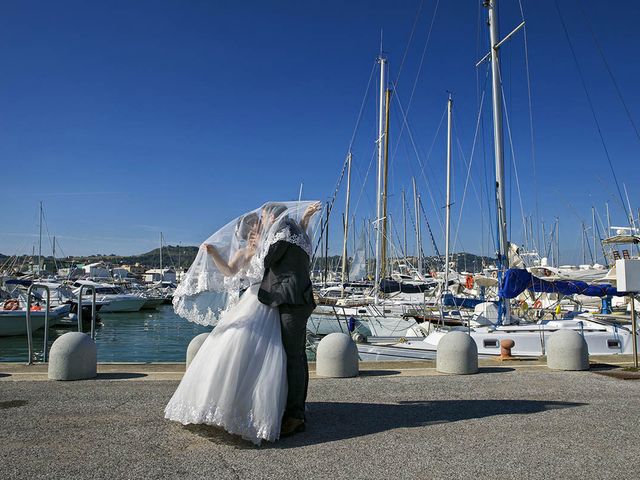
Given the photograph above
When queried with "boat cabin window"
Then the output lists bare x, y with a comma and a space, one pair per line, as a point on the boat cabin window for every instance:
491, 343
613, 343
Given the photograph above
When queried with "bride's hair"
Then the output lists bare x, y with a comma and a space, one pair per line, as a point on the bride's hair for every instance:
245, 224
275, 209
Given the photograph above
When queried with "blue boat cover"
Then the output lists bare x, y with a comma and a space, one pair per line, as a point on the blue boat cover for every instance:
464, 302
517, 281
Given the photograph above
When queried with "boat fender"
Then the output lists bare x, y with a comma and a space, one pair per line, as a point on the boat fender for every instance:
11, 304
469, 282
537, 304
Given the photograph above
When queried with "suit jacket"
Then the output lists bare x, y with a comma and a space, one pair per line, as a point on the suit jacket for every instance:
286, 278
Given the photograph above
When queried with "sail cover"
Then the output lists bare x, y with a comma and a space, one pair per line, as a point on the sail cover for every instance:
517, 281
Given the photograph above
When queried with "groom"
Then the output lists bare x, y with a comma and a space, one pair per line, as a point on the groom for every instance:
286, 285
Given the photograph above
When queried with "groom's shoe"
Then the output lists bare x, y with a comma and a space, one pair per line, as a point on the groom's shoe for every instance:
291, 426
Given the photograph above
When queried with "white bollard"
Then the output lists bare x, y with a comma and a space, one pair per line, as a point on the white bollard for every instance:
457, 354
337, 356
567, 350
73, 356
194, 347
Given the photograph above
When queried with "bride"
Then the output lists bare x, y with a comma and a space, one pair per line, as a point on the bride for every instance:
238, 378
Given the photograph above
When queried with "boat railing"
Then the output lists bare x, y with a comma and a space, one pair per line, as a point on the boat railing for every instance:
93, 310
46, 321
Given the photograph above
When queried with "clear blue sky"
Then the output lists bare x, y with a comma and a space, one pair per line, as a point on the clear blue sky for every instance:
131, 118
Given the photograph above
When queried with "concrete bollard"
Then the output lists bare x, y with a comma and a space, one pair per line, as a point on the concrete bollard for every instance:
194, 347
567, 350
457, 354
73, 356
337, 356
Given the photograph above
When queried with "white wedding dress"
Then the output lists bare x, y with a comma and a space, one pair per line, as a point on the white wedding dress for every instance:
238, 379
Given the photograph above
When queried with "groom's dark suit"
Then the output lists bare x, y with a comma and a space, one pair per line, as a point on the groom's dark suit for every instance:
286, 285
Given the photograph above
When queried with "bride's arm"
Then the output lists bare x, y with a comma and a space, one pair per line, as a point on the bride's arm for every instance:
234, 265
308, 213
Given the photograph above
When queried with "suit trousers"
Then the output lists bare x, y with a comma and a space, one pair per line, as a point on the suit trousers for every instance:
293, 322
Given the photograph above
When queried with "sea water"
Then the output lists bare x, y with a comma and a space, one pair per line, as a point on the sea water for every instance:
145, 336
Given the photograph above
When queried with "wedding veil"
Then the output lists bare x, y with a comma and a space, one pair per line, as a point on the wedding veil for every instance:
210, 286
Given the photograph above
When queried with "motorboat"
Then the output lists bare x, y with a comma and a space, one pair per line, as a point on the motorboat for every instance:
117, 300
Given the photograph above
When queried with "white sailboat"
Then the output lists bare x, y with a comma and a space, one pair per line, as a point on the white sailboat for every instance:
530, 339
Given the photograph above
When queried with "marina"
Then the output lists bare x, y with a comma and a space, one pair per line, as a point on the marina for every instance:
425, 258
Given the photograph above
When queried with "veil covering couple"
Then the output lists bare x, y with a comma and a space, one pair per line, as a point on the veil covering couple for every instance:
251, 280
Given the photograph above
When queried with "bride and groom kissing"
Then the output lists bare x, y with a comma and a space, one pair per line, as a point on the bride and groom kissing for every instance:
250, 376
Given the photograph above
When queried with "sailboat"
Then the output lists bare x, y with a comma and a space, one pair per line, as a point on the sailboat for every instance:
530, 339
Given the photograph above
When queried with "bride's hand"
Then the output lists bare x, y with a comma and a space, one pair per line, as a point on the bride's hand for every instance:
312, 209
209, 248
252, 242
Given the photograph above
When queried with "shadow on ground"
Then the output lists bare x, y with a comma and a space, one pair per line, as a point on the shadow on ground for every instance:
2, 375
495, 369
378, 373
332, 421
119, 376
12, 404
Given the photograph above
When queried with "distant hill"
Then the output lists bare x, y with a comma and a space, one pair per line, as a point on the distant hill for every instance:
172, 256
182, 256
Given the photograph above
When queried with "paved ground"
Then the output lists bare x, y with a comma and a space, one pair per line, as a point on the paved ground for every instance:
506, 422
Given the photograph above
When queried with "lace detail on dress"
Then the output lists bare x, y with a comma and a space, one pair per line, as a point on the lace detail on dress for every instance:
286, 234
247, 426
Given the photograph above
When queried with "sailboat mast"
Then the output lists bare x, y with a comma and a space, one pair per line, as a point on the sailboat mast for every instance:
383, 256
346, 225
381, 117
448, 206
40, 244
501, 207
404, 222
417, 214
161, 275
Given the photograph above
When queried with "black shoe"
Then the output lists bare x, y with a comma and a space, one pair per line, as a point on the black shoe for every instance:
291, 426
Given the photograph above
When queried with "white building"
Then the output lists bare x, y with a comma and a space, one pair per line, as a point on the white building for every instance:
157, 275
97, 270
120, 272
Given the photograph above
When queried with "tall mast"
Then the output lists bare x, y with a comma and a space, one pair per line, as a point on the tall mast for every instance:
608, 220
346, 225
448, 206
40, 244
593, 219
558, 241
381, 117
161, 275
404, 222
417, 214
501, 207
383, 255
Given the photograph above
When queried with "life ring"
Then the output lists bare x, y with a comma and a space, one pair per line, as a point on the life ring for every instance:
537, 304
36, 308
11, 304
469, 282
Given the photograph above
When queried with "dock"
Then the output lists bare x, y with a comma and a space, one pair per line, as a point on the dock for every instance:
514, 419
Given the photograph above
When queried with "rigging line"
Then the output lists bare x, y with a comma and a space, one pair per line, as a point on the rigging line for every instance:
433, 241
473, 147
591, 107
415, 149
364, 182
606, 64
406, 50
325, 220
415, 82
513, 157
364, 99
533, 149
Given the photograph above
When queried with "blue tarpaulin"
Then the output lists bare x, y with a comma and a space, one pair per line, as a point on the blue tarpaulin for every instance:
517, 281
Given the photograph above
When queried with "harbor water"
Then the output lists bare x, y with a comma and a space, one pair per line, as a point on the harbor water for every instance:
145, 336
